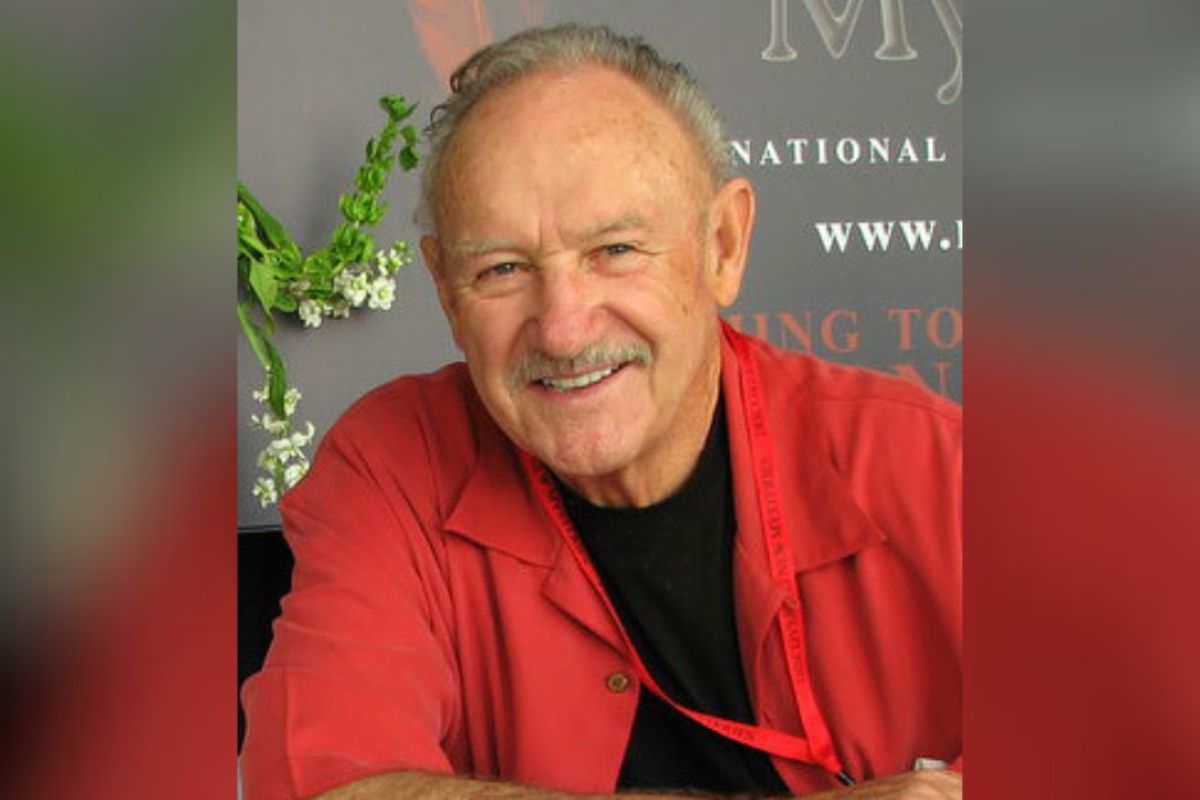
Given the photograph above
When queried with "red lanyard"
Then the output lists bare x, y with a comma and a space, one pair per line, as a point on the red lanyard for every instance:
817, 748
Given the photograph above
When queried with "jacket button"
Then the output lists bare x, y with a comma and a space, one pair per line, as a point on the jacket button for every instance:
618, 682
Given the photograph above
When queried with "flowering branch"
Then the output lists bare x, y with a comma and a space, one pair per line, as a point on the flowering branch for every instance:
275, 277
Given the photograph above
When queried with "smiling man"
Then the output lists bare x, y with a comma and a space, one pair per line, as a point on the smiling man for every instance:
581, 266
623, 547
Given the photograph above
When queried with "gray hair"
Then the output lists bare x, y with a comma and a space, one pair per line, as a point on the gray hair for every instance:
570, 46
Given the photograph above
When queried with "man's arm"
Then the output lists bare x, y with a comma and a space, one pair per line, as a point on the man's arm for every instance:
926, 784
424, 786
921, 785
361, 675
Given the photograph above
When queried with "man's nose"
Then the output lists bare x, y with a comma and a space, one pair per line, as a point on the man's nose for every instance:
567, 302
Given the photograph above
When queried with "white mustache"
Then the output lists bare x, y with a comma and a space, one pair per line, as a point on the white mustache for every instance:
537, 365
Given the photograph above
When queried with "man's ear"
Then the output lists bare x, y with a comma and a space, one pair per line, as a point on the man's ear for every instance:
431, 249
730, 225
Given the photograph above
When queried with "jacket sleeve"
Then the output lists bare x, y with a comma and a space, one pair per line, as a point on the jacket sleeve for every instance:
361, 676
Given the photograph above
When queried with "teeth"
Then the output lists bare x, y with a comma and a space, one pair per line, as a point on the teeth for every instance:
579, 381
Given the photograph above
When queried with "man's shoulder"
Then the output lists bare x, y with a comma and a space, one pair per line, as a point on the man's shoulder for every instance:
395, 402
829, 388
893, 446
436, 411
865, 423
408, 441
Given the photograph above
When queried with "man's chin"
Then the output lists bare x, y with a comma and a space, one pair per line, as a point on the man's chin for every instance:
571, 468
584, 466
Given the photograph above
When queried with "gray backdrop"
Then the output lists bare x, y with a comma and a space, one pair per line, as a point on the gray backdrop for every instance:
846, 114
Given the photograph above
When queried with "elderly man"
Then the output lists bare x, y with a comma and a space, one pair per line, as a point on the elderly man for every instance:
624, 547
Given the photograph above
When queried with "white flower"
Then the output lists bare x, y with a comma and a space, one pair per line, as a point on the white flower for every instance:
299, 439
298, 288
268, 422
340, 309
267, 462
266, 491
291, 398
400, 255
353, 286
383, 292
359, 288
310, 313
294, 472
282, 449
260, 394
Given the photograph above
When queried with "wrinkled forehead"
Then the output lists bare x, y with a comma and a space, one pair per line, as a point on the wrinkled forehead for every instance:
556, 131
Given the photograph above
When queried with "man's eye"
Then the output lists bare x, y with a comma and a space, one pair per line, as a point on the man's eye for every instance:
498, 271
617, 249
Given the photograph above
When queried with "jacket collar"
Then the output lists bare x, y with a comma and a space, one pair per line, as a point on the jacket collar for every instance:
823, 520
497, 507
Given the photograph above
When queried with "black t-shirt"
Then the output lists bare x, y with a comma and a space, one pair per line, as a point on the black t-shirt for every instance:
669, 571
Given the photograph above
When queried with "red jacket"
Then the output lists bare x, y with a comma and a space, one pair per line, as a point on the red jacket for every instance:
436, 621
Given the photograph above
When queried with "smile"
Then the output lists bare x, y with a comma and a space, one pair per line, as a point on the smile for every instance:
578, 381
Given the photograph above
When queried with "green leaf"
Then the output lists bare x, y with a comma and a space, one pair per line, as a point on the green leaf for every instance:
245, 221
262, 281
347, 205
362, 180
386, 139
410, 135
276, 380
257, 343
407, 159
366, 248
342, 246
249, 243
375, 215
355, 247
343, 251
320, 286
286, 303
275, 233
376, 179
318, 262
359, 207
396, 107
289, 261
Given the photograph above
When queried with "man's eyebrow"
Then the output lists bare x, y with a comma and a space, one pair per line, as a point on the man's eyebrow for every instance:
622, 223
478, 247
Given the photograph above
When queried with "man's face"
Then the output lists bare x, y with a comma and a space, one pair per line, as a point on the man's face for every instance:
575, 264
